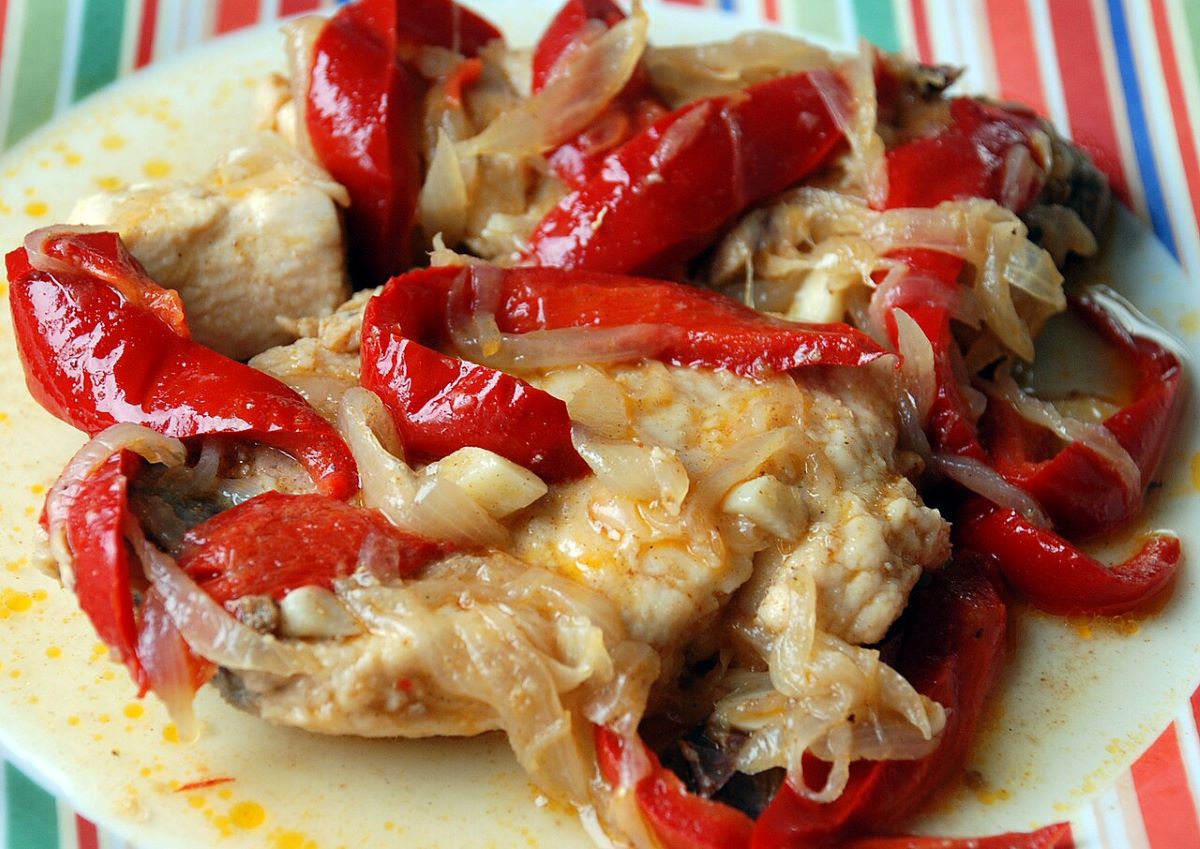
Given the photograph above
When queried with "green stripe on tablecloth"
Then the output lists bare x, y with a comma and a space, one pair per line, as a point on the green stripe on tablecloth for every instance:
820, 19
877, 23
1192, 15
38, 66
32, 813
100, 46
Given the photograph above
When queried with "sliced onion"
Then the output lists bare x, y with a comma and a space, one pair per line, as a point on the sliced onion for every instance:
430, 507
982, 479
208, 628
163, 654
689, 72
639, 472
443, 204
300, 38
580, 88
35, 246
916, 362
742, 462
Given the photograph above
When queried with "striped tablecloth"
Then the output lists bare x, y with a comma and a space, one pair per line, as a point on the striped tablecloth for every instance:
1121, 76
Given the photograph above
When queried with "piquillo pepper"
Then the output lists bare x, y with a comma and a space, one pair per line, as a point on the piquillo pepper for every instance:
659, 198
275, 543
101, 343
1059, 578
1081, 491
363, 114
577, 161
440, 403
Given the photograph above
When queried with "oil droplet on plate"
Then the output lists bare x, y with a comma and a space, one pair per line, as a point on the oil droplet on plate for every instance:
171, 733
112, 142
156, 168
36, 208
54, 652
247, 815
133, 710
17, 602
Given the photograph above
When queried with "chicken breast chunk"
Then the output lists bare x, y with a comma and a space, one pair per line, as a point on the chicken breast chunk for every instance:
258, 239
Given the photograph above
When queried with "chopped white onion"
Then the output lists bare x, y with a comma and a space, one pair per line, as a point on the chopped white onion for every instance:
429, 507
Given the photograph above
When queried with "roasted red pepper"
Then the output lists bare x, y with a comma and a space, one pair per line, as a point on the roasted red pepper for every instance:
363, 114
440, 403
660, 198
275, 543
927, 294
1058, 577
1081, 491
952, 652
679, 819
97, 352
635, 107
92, 511
969, 158
1057, 836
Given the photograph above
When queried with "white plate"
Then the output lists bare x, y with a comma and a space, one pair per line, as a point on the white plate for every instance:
1080, 700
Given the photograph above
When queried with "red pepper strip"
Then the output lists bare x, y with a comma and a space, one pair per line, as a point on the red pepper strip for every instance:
413, 24
1058, 577
104, 256
1057, 836
679, 819
363, 113
699, 327
634, 108
925, 294
952, 652
94, 512
1079, 490
440, 404
275, 543
968, 159
565, 31
661, 197
93, 358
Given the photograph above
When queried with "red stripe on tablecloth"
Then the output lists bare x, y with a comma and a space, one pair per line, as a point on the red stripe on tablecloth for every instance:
1085, 88
1178, 98
3, 21
1017, 62
921, 30
235, 14
295, 7
771, 10
86, 835
1161, 784
145, 44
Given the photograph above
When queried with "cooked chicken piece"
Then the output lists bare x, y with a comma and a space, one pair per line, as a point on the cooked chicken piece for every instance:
258, 239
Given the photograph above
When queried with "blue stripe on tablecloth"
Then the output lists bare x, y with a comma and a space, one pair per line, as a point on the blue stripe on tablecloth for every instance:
1143, 146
